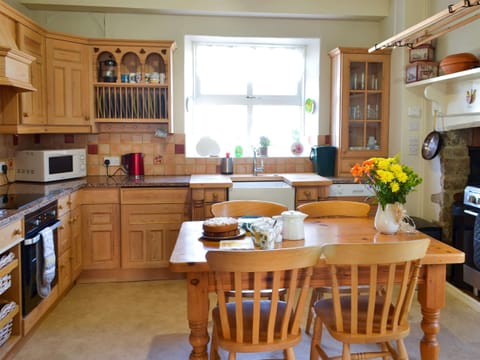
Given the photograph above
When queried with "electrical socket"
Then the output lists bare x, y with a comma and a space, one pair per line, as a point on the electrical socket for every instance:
114, 160
2, 166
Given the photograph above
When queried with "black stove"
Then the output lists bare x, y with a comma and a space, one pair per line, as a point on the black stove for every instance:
17, 201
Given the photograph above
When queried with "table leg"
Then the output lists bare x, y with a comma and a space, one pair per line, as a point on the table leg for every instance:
431, 295
198, 307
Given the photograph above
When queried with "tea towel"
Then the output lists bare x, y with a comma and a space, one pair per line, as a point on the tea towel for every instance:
46, 262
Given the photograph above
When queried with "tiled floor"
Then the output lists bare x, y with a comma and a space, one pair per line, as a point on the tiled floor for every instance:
147, 320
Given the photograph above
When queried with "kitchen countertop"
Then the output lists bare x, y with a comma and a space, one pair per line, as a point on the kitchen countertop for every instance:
55, 190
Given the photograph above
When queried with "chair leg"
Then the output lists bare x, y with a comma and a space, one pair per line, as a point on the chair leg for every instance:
346, 352
214, 347
232, 356
402, 350
289, 354
316, 295
316, 340
385, 348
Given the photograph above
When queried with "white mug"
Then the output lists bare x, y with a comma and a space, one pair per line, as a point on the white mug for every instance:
162, 78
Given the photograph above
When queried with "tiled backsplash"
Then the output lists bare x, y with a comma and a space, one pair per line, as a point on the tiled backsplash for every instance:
163, 156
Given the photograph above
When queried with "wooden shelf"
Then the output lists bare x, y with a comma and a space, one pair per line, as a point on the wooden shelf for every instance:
471, 74
453, 17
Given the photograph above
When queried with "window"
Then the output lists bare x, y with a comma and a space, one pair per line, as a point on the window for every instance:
243, 89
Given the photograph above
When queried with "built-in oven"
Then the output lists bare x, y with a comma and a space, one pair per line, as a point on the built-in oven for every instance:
32, 250
466, 237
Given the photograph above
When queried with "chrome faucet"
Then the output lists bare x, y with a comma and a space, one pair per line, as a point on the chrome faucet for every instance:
257, 169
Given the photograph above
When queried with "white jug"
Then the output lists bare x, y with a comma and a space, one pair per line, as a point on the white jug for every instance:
293, 228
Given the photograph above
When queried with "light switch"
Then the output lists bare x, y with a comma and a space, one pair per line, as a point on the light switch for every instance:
414, 111
413, 144
413, 124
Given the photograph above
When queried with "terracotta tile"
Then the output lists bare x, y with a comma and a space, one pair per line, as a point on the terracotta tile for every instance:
179, 149
92, 149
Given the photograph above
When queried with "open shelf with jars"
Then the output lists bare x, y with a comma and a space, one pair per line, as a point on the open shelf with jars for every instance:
360, 96
133, 81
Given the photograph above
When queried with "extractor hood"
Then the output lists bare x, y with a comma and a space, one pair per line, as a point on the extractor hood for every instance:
14, 64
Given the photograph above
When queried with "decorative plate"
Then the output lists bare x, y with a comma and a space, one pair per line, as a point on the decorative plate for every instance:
297, 148
240, 234
309, 106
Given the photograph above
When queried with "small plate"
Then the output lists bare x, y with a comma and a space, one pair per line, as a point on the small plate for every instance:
240, 234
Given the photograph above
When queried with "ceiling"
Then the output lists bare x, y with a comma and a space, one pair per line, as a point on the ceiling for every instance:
308, 9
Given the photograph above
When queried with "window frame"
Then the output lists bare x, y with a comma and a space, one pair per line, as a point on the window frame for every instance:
308, 88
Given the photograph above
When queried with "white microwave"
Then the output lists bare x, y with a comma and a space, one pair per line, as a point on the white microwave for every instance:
50, 165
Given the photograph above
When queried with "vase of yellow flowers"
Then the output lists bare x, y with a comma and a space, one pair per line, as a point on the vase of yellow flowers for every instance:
391, 182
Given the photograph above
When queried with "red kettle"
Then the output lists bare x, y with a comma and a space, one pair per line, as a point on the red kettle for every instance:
133, 164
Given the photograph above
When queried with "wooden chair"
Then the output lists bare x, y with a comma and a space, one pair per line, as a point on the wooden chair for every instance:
335, 208
330, 208
238, 208
373, 318
257, 325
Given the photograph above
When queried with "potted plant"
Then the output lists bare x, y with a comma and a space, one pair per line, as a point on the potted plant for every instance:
264, 144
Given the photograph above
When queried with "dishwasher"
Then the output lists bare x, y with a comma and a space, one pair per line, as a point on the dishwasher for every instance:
354, 192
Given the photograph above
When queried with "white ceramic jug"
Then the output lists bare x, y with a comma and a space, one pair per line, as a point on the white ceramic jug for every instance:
293, 228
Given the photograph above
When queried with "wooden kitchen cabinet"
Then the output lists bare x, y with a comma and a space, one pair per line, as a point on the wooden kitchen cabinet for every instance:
360, 91
34, 103
68, 78
151, 220
69, 240
100, 229
203, 199
133, 81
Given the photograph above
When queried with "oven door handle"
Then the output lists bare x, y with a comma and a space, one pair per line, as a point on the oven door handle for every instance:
36, 238
470, 212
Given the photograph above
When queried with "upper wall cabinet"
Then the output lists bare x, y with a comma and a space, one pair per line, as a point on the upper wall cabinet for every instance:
34, 103
132, 81
360, 104
68, 76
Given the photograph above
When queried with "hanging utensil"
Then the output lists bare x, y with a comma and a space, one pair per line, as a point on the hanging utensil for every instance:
432, 143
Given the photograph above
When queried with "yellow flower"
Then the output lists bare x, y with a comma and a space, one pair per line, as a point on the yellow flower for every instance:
390, 180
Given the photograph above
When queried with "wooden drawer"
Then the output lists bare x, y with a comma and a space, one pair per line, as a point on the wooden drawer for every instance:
215, 195
76, 199
100, 196
155, 196
306, 193
63, 205
64, 234
11, 235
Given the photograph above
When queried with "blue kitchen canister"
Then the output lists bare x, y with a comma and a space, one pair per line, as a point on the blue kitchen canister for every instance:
323, 159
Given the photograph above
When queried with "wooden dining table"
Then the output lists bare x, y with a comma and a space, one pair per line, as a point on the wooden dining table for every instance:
188, 257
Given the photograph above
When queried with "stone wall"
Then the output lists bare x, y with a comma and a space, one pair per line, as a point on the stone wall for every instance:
455, 168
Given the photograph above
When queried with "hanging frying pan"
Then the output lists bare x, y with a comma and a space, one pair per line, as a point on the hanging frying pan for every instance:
431, 144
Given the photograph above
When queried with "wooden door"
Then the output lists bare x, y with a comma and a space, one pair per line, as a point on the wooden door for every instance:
101, 242
67, 83
149, 233
34, 103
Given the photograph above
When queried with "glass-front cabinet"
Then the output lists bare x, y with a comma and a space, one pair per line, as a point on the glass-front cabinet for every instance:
360, 104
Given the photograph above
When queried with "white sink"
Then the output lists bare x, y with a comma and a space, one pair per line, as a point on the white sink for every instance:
276, 191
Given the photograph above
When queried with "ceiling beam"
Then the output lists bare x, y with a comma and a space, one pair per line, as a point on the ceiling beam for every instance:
309, 9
